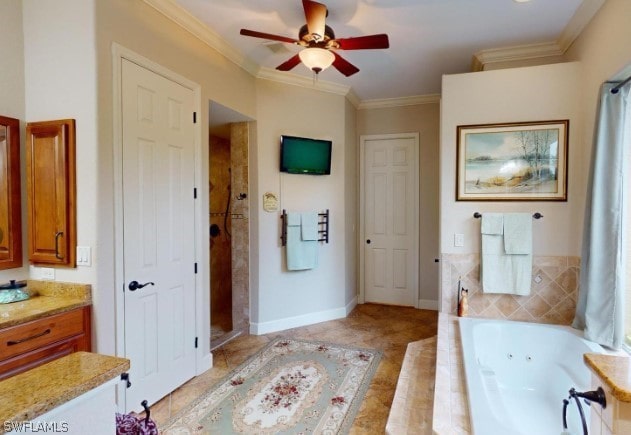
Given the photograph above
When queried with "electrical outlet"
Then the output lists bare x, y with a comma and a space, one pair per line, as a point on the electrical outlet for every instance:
459, 240
48, 273
84, 256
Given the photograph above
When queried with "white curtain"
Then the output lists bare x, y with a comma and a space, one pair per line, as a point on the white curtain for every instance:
600, 307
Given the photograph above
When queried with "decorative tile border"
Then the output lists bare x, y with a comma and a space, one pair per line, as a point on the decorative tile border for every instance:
552, 299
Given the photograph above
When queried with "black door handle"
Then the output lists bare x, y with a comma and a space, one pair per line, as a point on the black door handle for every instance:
368, 241
135, 285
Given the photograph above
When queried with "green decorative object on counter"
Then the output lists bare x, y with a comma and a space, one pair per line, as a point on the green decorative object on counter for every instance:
13, 292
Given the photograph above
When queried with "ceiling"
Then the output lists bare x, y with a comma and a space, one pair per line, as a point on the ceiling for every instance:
428, 38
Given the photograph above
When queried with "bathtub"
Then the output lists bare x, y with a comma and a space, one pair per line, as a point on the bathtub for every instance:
518, 374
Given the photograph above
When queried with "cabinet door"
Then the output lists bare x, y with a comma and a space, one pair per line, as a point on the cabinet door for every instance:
50, 172
10, 212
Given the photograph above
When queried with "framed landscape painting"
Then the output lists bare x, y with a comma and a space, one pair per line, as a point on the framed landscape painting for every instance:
524, 161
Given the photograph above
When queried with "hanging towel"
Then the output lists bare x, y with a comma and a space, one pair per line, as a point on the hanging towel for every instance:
293, 219
301, 254
518, 233
503, 272
492, 223
309, 226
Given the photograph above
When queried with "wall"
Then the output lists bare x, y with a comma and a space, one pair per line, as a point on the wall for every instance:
137, 26
351, 173
60, 82
68, 73
521, 94
287, 299
425, 119
12, 102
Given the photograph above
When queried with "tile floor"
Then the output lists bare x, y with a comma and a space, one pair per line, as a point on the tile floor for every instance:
387, 328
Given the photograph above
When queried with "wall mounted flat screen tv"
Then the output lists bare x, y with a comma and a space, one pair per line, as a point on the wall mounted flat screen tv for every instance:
299, 155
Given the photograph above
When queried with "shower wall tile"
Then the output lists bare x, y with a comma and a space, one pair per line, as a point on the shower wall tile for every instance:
240, 227
552, 300
220, 257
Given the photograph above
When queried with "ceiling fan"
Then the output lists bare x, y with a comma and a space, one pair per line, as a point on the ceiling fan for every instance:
319, 42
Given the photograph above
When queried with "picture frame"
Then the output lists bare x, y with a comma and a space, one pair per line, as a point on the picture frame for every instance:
519, 161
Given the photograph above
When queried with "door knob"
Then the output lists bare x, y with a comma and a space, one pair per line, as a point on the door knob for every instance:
368, 241
135, 285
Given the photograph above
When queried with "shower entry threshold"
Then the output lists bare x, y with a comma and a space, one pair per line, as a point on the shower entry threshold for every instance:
220, 341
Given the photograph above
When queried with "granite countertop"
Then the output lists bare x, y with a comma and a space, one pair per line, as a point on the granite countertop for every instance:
30, 394
50, 297
614, 371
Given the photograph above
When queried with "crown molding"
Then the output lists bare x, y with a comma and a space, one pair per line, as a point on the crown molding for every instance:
414, 100
515, 53
183, 18
578, 22
583, 15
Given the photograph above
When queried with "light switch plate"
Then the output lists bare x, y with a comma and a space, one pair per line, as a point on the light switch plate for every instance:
47, 273
459, 240
84, 256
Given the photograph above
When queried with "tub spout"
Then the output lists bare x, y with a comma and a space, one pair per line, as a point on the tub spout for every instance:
597, 396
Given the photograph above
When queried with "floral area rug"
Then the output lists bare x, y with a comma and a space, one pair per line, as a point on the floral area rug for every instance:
289, 387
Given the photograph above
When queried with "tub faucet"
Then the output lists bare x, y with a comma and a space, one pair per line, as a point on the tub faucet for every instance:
597, 396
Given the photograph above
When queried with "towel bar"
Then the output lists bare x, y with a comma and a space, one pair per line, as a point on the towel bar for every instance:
323, 231
537, 215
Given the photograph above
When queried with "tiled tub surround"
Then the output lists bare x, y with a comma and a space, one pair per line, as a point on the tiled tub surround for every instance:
552, 298
451, 411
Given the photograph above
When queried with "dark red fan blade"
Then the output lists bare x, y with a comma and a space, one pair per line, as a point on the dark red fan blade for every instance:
344, 66
315, 14
289, 64
364, 42
256, 34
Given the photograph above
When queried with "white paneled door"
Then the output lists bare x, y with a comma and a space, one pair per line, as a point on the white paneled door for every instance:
159, 255
390, 219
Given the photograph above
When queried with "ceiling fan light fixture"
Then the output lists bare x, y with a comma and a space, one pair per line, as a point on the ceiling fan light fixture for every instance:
316, 59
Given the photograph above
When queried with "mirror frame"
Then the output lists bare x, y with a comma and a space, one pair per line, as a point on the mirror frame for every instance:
11, 195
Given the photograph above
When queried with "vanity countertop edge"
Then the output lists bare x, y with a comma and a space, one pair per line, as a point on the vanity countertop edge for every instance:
51, 297
28, 395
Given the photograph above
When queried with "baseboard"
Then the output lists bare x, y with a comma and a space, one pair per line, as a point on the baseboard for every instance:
428, 304
206, 364
351, 305
297, 321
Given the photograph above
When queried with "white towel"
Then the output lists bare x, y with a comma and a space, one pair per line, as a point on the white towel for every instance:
293, 219
492, 223
503, 272
309, 226
518, 233
301, 254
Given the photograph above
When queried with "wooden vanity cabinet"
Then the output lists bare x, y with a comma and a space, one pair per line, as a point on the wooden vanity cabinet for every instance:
51, 192
31, 344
